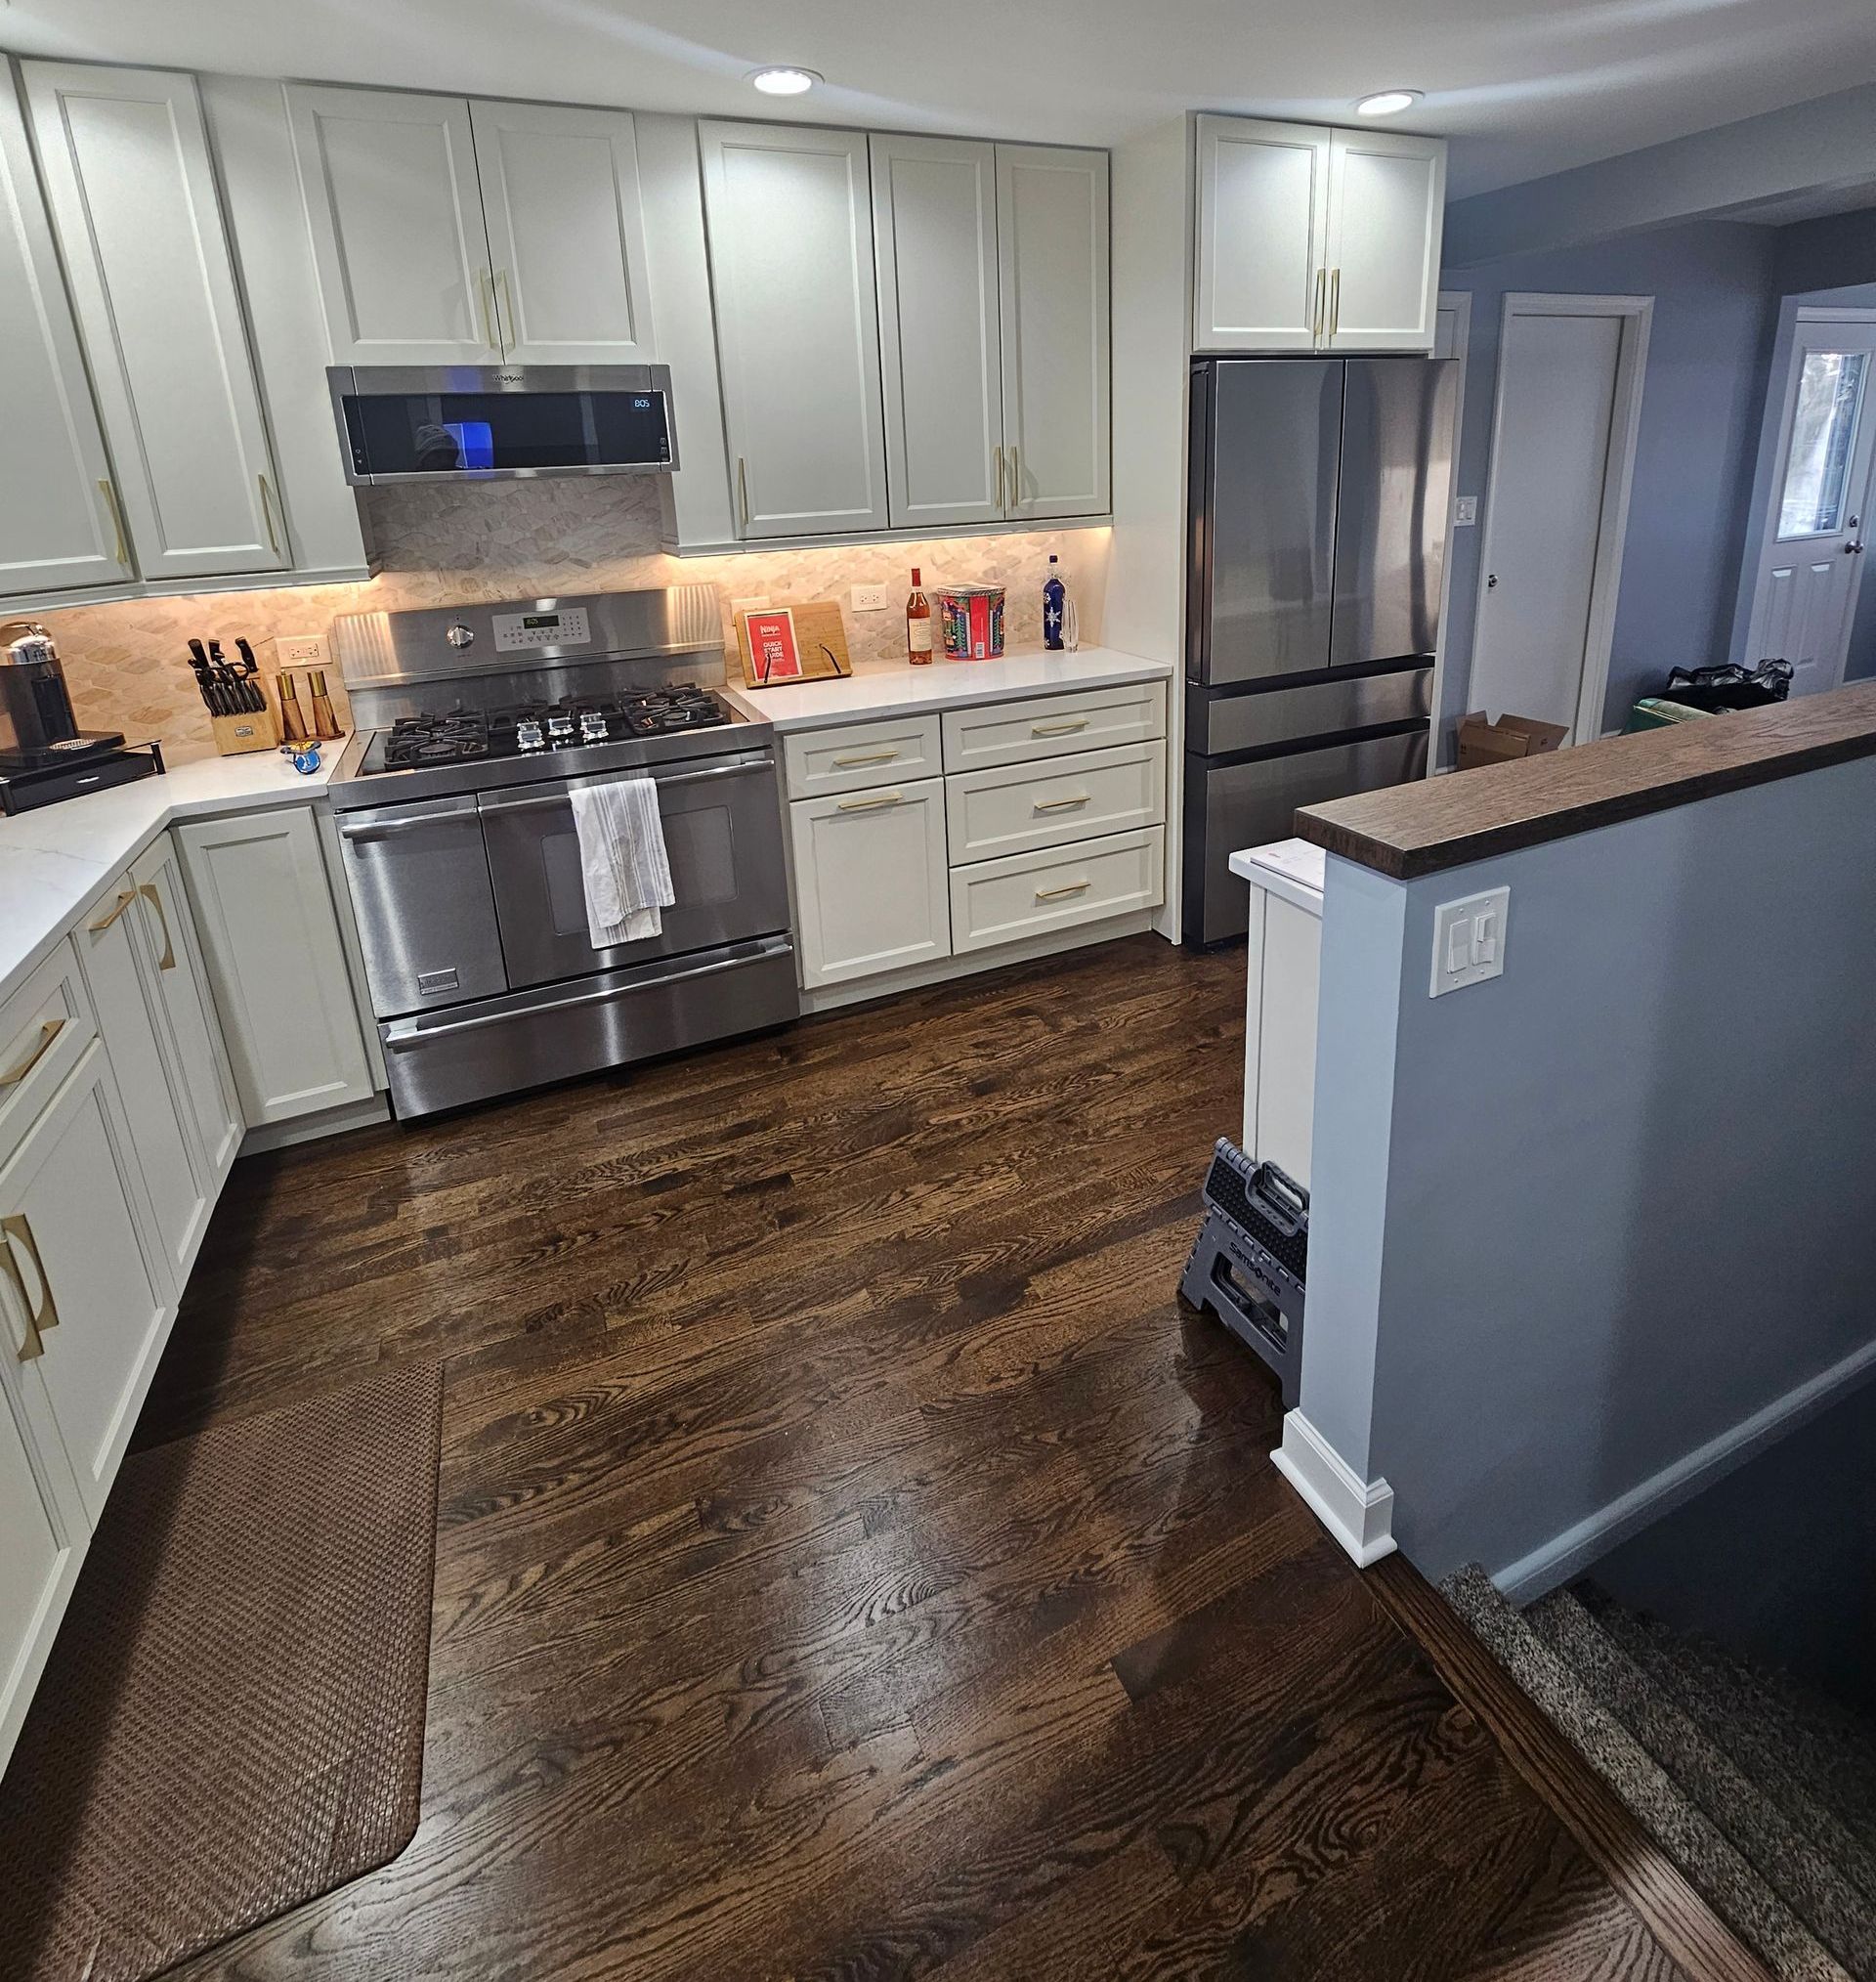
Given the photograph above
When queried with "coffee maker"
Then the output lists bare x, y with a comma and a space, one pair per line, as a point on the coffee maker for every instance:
44, 756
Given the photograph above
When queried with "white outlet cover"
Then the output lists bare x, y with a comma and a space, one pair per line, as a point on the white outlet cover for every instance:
871, 598
748, 605
1468, 940
1464, 510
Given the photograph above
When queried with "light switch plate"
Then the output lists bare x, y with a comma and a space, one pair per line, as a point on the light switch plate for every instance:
1464, 510
1468, 940
871, 599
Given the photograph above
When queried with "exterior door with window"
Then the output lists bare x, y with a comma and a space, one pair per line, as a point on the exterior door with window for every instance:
1812, 556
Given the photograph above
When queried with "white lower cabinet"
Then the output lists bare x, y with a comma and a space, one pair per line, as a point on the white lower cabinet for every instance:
871, 881
1035, 895
269, 933
40, 1548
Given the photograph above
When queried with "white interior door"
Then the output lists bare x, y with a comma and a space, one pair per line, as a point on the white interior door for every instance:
1811, 557
565, 232
934, 225
134, 202
1263, 222
54, 511
1555, 502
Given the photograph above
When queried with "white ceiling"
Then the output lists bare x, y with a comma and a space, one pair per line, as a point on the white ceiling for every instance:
1523, 86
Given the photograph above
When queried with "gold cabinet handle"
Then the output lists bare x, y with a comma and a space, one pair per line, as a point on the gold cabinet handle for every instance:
1060, 804
485, 296
107, 489
868, 805
1335, 302
996, 455
1058, 894
1015, 479
48, 1032
1057, 728
1315, 318
125, 896
46, 1316
267, 515
506, 312
872, 757
156, 900
742, 488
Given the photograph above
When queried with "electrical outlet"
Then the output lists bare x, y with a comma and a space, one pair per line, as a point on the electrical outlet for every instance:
1464, 510
748, 605
1468, 940
871, 598
299, 650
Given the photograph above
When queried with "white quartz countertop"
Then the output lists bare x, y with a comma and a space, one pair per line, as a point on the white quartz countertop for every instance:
944, 684
1291, 869
54, 862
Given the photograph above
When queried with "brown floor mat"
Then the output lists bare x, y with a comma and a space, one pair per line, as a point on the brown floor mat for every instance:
232, 1720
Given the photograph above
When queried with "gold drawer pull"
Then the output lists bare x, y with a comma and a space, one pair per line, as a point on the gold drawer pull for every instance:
867, 804
874, 757
125, 896
1059, 894
48, 1032
1061, 804
47, 1314
169, 959
109, 491
1057, 728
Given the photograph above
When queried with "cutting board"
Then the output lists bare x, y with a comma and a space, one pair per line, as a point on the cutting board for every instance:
820, 641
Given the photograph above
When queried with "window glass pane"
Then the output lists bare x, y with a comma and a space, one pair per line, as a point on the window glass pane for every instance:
1822, 432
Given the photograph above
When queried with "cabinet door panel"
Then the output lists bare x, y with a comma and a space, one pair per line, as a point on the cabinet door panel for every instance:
565, 232
39, 1554
870, 878
790, 233
395, 214
1264, 214
134, 202
1052, 243
182, 978
54, 523
934, 217
271, 935
86, 1315
1388, 194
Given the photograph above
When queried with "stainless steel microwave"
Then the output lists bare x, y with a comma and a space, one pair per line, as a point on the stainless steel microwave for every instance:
482, 422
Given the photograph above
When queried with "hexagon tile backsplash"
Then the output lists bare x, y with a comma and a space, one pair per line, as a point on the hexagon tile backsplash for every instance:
129, 670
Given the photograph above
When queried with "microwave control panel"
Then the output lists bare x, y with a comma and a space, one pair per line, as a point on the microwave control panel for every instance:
524, 632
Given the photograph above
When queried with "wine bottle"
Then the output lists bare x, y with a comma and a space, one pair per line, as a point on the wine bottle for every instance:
917, 624
1053, 593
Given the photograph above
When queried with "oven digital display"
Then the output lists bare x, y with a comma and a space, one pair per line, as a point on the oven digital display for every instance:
518, 633
530, 620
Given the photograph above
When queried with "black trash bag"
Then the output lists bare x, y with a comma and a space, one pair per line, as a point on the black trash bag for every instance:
1717, 689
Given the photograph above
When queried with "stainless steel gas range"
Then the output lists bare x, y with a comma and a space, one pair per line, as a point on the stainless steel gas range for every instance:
474, 723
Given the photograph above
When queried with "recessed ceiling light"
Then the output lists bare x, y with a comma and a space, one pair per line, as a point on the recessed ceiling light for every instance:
784, 82
1387, 103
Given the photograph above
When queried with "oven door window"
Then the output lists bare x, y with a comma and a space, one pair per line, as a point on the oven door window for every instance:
456, 433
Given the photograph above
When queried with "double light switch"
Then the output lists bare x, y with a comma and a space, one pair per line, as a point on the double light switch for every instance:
1468, 940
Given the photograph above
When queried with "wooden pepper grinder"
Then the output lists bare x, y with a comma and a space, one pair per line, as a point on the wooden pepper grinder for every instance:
293, 723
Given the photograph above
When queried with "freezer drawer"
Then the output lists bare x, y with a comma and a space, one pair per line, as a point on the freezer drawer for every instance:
1218, 724
1228, 806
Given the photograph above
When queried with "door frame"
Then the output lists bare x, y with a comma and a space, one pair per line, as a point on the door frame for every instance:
1751, 574
1459, 303
1636, 317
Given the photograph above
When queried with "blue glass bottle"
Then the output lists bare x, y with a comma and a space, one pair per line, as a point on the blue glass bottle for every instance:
1053, 593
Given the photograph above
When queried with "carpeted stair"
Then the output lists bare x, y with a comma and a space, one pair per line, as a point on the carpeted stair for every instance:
1762, 1792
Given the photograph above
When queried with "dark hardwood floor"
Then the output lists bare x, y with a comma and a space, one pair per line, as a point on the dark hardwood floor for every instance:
853, 1561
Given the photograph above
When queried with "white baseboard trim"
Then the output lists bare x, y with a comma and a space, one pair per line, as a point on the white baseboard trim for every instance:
1570, 1553
337, 1121
1358, 1513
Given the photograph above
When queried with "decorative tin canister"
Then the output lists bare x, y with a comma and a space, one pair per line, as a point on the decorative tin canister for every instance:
972, 619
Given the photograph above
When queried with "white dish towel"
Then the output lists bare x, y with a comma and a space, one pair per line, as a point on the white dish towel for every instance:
623, 868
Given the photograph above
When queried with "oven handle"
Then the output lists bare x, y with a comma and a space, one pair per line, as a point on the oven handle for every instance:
452, 1027
743, 767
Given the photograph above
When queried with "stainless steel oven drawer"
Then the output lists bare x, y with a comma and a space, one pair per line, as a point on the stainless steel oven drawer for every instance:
426, 911
722, 823
448, 1059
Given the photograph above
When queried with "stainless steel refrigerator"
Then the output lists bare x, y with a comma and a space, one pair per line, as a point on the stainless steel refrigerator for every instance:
1321, 490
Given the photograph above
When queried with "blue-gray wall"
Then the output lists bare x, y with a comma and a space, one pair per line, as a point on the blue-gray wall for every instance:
1712, 282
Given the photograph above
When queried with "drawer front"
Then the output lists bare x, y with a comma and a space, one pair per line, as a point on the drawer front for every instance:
1015, 808
1054, 725
44, 1028
1030, 894
859, 755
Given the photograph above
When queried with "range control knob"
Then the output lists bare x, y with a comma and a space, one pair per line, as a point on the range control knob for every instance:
458, 635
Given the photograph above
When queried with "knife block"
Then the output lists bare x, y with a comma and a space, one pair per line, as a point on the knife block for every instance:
234, 734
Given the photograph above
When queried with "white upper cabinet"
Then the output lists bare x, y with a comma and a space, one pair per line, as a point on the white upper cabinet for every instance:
1052, 247
133, 200
791, 246
934, 217
1386, 200
1263, 220
565, 232
395, 213
1316, 240
56, 511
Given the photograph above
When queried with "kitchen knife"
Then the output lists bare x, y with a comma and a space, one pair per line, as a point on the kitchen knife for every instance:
225, 679
250, 667
204, 680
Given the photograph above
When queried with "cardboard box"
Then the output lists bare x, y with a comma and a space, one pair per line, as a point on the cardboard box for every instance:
1510, 736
